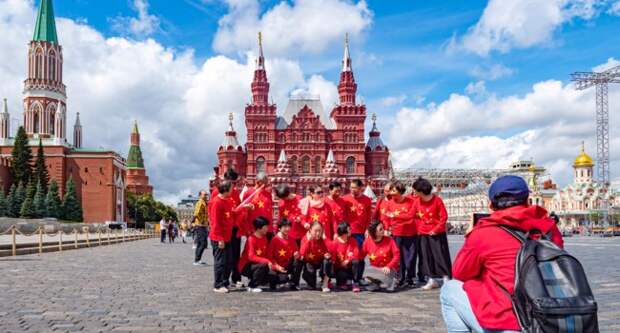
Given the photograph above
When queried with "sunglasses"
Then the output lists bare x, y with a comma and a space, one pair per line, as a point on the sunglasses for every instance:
318, 192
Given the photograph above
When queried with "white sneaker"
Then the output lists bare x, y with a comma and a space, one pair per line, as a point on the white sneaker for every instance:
239, 285
220, 290
194, 247
254, 290
326, 290
200, 263
431, 284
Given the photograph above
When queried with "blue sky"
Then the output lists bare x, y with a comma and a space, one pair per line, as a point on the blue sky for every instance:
468, 84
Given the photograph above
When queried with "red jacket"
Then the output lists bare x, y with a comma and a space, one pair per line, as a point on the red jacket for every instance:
281, 250
324, 216
263, 206
402, 221
382, 254
344, 252
488, 257
431, 216
289, 209
359, 212
313, 250
222, 219
338, 207
380, 210
235, 197
255, 251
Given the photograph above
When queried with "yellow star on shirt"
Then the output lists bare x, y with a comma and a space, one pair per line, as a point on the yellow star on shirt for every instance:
260, 204
372, 257
227, 214
311, 256
420, 214
315, 217
353, 208
285, 212
259, 252
396, 212
282, 253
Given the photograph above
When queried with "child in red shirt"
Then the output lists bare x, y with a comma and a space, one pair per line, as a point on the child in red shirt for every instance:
288, 205
315, 257
382, 253
283, 251
255, 262
345, 258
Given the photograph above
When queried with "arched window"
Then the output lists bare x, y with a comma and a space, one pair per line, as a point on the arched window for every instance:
51, 123
305, 164
52, 66
35, 124
293, 162
260, 164
350, 165
317, 165
38, 64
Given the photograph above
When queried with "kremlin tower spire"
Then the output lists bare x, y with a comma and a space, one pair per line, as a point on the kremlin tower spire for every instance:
260, 85
137, 181
5, 122
347, 88
77, 132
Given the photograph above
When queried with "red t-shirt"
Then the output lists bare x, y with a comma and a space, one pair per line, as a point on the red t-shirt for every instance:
338, 207
235, 197
313, 250
323, 215
289, 209
263, 206
431, 216
281, 251
344, 252
382, 254
222, 219
255, 251
359, 212
380, 210
402, 214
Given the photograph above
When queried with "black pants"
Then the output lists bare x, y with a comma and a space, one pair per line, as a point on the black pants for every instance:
408, 257
342, 275
236, 253
435, 256
257, 273
163, 235
292, 275
222, 264
309, 271
202, 239
360, 242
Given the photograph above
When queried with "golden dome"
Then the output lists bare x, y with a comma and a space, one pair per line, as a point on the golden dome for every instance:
583, 160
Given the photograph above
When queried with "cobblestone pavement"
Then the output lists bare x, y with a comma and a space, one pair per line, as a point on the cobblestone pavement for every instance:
146, 286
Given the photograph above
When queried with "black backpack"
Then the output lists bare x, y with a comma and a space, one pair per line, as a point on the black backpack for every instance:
551, 291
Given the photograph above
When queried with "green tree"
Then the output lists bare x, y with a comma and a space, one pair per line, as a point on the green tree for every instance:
39, 201
31, 190
53, 204
18, 200
27, 210
4, 208
12, 210
71, 207
40, 170
21, 168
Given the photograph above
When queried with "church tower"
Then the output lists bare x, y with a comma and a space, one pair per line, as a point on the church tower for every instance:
77, 132
377, 153
5, 123
583, 167
231, 153
44, 92
137, 180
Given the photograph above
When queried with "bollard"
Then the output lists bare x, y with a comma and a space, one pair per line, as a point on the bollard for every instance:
123, 235
40, 240
60, 240
108, 237
99, 235
76, 237
14, 248
87, 237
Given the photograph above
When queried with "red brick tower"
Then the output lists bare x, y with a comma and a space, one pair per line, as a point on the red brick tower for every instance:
231, 153
377, 153
137, 180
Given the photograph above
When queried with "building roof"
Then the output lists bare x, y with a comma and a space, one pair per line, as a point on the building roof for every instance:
45, 28
296, 103
374, 138
583, 160
134, 158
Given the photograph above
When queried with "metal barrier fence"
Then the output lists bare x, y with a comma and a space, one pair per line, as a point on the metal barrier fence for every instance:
77, 239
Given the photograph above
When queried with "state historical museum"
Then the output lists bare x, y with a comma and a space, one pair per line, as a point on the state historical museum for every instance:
304, 145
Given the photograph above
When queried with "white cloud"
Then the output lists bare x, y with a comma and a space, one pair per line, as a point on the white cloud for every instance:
478, 89
611, 62
614, 9
393, 100
143, 25
491, 73
301, 26
507, 24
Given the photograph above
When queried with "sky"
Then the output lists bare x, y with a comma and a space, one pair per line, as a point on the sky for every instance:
473, 84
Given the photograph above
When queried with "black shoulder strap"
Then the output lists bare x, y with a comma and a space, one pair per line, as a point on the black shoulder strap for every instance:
519, 235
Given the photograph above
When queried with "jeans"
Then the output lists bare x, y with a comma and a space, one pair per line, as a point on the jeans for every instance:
360, 242
163, 235
456, 309
222, 264
202, 239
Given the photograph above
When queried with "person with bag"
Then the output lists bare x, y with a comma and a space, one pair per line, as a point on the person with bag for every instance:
477, 299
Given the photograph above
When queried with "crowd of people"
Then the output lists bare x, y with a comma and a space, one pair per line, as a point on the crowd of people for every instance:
323, 238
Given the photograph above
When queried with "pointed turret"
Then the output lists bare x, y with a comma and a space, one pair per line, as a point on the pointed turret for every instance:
260, 62
374, 137
5, 122
77, 132
330, 167
230, 138
137, 180
45, 28
377, 154
135, 134
346, 59
282, 167
231, 154
347, 88
260, 85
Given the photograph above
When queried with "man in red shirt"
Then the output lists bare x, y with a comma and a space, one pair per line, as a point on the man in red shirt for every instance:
261, 203
380, 208
399, 220
358, 215
222, 219
337, 204
288, 206
485, 266
283, 250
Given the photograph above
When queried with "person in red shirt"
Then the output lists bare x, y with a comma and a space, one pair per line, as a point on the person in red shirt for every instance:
484, 268
399, 220
316, 210
358, 215
288, 206
336, 203
315, 257
380, 207
283, 251
345, 258
260, 203
222, 219
382, 253
255, 262
431, 219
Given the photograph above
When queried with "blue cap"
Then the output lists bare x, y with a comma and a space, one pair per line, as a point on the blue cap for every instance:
510, 187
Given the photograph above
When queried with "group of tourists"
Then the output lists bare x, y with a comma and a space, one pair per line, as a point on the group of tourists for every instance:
168, 229
323, 238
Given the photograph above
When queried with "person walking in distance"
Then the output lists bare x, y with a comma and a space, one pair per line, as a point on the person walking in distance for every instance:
201, 227
163, 229
431, 218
